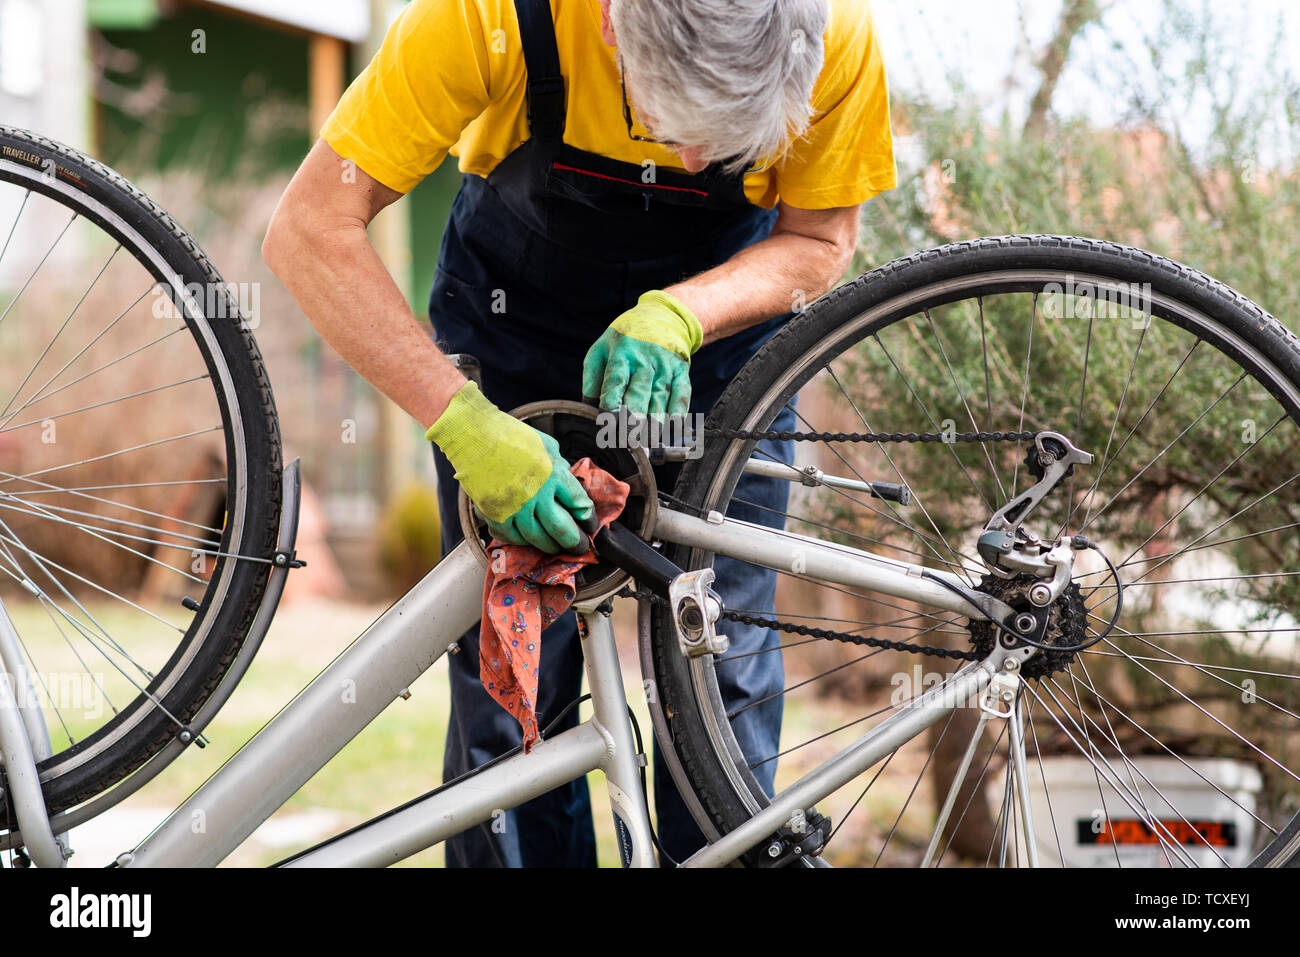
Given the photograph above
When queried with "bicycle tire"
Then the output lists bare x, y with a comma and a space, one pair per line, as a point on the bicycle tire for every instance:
241, 389
687, 694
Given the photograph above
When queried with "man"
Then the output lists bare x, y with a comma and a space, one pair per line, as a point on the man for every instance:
691, 170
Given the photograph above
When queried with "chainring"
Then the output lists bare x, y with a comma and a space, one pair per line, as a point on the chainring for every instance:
577, 429
1066, 624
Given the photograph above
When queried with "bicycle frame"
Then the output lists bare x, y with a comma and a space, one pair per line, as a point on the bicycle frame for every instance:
416, 630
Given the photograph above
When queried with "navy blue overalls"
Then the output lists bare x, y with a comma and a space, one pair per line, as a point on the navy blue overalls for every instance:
536, 261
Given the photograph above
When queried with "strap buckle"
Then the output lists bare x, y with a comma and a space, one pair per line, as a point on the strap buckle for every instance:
545, 103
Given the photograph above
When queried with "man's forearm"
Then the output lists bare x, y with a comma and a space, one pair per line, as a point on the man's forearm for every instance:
777, 275
346, 291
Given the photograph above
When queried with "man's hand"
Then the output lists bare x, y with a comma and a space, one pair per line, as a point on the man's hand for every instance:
512, 473
643, 360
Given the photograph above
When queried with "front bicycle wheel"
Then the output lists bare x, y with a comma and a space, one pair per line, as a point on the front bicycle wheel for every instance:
1170, 740
139, 467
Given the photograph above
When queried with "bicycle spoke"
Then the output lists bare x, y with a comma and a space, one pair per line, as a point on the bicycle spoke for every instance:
109, 455
879, 771
96, 533
1078, 423
1190, 548
100, 405
1186, 505
821, 737
1088, 521
912, 793
1175, 659
1105, 772
930, 417
43, 596
1231, 731
1109, 736
1105, 460
1113, 742
13, 302
1176, 756
27, 194
55, 489
1194, 664
47, 487
11, 540
39, 359
969, 414
48, 511
1203, 535
1047, 792
1024, 395
41, 394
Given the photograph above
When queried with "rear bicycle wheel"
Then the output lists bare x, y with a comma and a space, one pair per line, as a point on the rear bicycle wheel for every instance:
139, 466
1168, 741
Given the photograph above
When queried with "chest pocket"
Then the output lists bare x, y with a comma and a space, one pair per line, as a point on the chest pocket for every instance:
618, 193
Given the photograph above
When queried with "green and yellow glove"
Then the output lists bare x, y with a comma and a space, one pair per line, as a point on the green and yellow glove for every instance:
514, 475
643, 360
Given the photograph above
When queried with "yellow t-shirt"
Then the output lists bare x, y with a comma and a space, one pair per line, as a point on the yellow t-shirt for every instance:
450, 77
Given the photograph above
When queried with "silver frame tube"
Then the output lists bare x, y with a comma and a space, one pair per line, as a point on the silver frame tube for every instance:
352, 691
871, 747
25, 795
398, 835
621, 764
11, 658
816, 559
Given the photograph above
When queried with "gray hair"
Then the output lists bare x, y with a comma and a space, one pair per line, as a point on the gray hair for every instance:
734, 77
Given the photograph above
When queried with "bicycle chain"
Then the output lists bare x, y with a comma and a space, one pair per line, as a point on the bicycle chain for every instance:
872, 437
877, 437
868, 641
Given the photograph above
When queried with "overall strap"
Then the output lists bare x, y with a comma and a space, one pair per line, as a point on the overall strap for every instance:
542, 60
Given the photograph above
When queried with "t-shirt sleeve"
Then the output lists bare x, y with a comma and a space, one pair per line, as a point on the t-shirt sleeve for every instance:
407, 108
847, 155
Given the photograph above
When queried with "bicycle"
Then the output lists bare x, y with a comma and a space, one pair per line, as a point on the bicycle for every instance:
1060, 611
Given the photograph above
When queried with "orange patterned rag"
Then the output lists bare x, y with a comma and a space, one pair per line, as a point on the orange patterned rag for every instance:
525, 590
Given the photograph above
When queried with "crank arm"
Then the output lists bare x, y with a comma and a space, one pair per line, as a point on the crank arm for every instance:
624, 548
696, 607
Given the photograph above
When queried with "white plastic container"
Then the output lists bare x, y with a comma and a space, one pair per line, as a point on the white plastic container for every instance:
1095, 824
